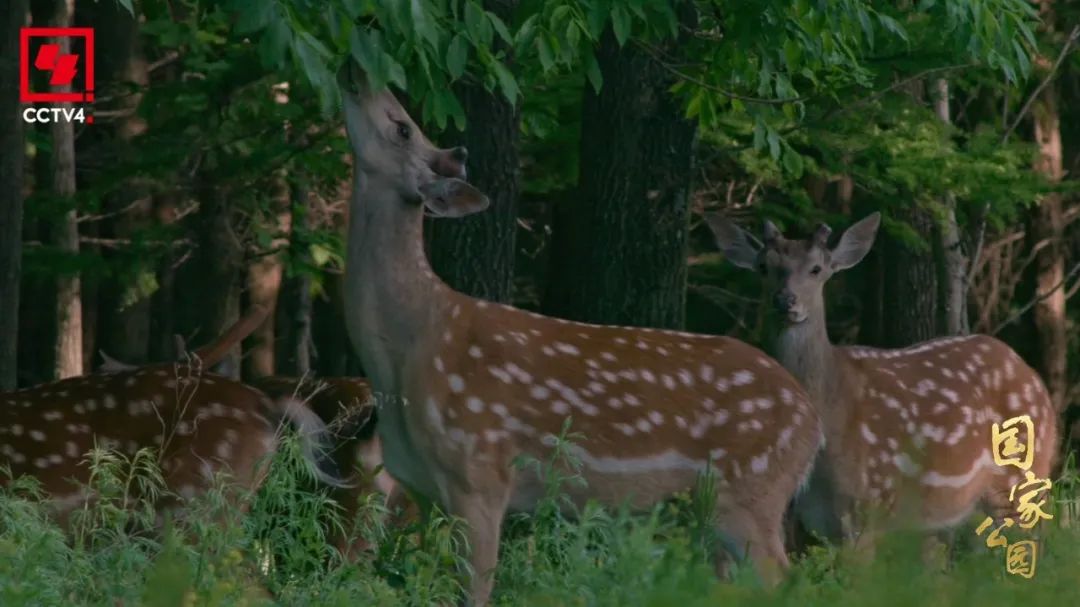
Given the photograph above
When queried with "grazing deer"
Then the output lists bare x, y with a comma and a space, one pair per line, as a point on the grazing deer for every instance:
905, 428
197, 423
346, 405
465, 386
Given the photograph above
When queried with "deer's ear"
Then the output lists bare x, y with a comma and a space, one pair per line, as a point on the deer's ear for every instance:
738, 246
855, 243
453, 198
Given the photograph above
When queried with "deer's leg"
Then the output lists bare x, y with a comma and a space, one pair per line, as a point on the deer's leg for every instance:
757, 536
483, 513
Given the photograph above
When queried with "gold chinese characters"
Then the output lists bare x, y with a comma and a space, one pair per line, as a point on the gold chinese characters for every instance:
1013, 444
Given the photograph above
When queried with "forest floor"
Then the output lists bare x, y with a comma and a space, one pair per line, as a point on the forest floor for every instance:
217, 556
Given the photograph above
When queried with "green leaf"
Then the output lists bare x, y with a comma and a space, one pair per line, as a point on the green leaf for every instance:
620, 23
456, 56
477, 25
526, 33
774, 143
251, 18
892, 26
422, 23
500, 27
597, 17
547, 58
507, 83
759, 133
275, 41
792, 161
592, 71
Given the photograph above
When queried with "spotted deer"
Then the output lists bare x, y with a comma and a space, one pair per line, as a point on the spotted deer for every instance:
198, 424
346, 406
465, 386
908, 431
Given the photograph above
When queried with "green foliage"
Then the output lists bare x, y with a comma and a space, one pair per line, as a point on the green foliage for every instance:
214, 554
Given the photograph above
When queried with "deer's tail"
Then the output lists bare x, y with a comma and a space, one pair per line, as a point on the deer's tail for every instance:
316, 440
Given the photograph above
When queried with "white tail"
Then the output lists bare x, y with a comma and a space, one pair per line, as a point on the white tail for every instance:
197, 424
910, 426
347, 407
466, 386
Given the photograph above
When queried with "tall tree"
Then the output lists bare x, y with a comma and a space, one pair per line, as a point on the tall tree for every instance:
619, 248
69, 350
122, 73
1046, 229
476, 254
11, 189
952, 266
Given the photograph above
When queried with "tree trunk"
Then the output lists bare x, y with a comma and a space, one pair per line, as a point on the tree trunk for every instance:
475, 254
1046, 225
216, 276
69, 351
295, 303
619, 250
952, 266
163, 302
11, 191
263, 287
122, 71
909, 305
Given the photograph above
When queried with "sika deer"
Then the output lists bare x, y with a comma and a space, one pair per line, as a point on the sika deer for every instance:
465, 386
907, 427
347, 407
198, 424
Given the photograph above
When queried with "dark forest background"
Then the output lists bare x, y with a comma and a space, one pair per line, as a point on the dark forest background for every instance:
216, 171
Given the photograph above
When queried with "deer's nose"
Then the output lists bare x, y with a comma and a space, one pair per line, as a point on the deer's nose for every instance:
785, 300
450, 163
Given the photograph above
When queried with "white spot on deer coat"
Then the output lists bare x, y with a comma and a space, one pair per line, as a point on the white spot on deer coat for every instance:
742, 378
456, 383
935, 479
869, 436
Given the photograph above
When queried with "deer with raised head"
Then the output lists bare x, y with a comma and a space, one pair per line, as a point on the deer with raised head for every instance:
465, 386
908, 431
197, 423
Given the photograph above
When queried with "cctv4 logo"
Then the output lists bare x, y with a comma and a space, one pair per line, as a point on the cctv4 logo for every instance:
65, 76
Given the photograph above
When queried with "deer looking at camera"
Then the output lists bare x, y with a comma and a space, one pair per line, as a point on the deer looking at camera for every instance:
465, 386
197, 424
905, 428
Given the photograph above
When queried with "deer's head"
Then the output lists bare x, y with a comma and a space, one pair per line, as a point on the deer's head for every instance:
796, 270
391, 151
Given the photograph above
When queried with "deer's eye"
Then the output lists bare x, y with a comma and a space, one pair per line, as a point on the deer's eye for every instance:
816, 270
404, 130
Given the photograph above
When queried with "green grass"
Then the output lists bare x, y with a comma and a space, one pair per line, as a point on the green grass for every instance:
214, 554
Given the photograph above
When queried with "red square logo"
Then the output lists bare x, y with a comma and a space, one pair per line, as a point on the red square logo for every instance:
59, 69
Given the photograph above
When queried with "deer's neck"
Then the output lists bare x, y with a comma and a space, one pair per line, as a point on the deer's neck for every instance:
805, 350
393, 300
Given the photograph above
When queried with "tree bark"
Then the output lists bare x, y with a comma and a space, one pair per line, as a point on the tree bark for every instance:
295, 302
1046, 225
216, 275
909, 305
263, 287
475, 254
12, 143
619, 249
69, 351
122, 70
952, 266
